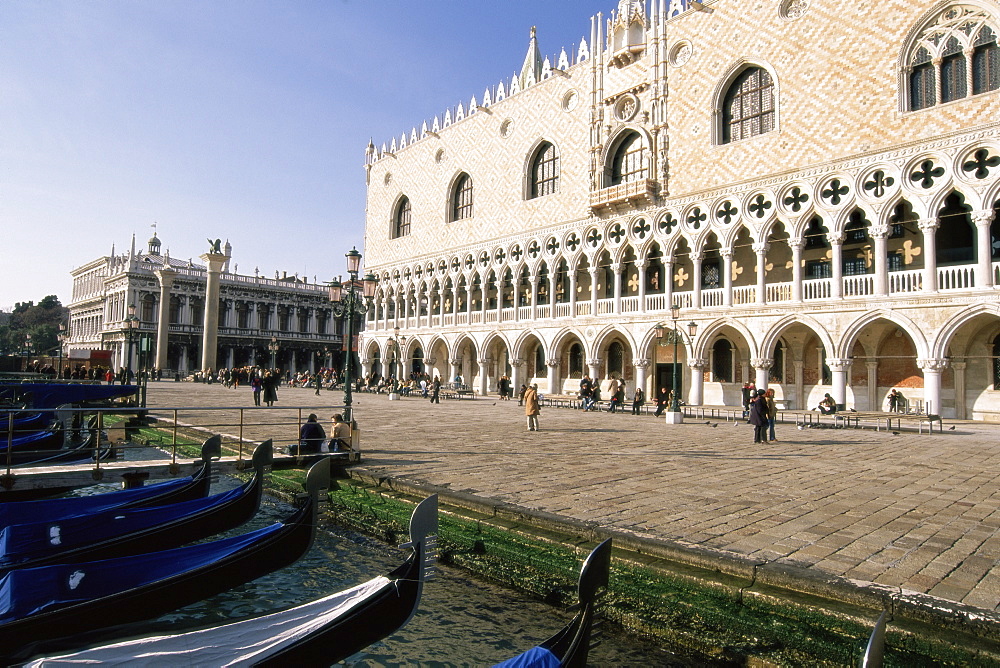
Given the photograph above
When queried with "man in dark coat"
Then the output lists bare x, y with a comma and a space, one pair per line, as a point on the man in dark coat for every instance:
311, 436
758, 416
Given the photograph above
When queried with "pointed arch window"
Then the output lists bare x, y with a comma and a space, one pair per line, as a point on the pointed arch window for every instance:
461, 198
544, 171
748, 106
954, 56
629, 160
401, 219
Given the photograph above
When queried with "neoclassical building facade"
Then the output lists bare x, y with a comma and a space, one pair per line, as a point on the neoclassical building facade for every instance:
200, 316
816, 185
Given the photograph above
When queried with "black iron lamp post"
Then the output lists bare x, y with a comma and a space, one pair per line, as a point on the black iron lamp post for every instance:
665, 334
397, 353
347, 304
273, 347
131, 326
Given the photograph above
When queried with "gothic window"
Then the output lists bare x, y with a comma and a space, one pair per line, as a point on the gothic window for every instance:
461, 198
776, 374
996, 363
539, 361
576, 361
955, 55
544, 171
815, 234
856, 230
616, 360
748, 106
629, 160
401, 219
817, 269
985, 62
710, 274
855, 266
956, 235
722, 361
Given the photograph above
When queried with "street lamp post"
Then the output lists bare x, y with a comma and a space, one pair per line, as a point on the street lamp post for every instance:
347, 304
273, 347
397, 354
131, 325
662, 332
61, 337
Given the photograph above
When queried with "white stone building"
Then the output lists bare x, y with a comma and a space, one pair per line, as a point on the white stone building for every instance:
251, 314
815, 183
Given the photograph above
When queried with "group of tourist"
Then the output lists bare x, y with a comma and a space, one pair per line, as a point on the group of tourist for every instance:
312, 436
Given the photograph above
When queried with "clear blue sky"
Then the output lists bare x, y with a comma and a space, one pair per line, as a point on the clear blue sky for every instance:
244, 120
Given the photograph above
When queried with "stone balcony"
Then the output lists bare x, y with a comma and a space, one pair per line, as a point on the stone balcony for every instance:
624, 196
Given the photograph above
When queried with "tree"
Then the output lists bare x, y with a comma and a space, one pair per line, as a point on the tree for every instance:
41, 321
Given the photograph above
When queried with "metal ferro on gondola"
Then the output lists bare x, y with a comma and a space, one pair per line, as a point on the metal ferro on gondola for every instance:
348, 304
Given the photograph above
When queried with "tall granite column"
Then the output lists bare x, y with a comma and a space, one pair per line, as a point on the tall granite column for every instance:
210, 335
166, 276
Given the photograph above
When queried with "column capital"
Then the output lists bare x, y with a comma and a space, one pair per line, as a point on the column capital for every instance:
615, 267
933, 364
517, 361
836, 238
594, 362
928, 225
642, 363
959, 366
878, 230
455, 361
430, 360
762, 363
552, 361
366, 360
871, 364
726, 253
796, 244
839, 364
697, 364
483, 361
760, 247
696, 256
983, 218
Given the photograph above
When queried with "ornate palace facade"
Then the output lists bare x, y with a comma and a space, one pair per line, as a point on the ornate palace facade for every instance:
816, 185
248, 317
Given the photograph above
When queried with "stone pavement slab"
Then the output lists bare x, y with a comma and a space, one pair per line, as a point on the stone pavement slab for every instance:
914, 511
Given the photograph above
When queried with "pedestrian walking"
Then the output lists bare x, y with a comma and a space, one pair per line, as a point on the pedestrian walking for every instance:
256, 385
532, 408
772, 412
436, 390
758, 417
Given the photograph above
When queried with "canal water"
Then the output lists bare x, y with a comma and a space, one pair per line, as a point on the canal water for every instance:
461, 620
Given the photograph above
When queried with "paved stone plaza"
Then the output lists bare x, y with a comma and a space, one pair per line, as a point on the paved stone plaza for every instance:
916, 511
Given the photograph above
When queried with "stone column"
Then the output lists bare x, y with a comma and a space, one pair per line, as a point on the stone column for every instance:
616, 269
874, 403
534, 296
484, 374
796, 246
594, 364
553, 364
760, 248
697, 392
727, 277
572, 294
932, 368
668, 286
836, 265
839, 368
166, 276
454, 365
696, 279
879, 235
640, 375
210, 334
798, 367
517, 376
961, 413
593, 291
762, 368
641, 269
928, 226
984, 249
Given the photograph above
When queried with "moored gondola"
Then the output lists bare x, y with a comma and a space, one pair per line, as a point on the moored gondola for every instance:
156, 494
318, 633
571, 645
52, 608
40, 396
121, 531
